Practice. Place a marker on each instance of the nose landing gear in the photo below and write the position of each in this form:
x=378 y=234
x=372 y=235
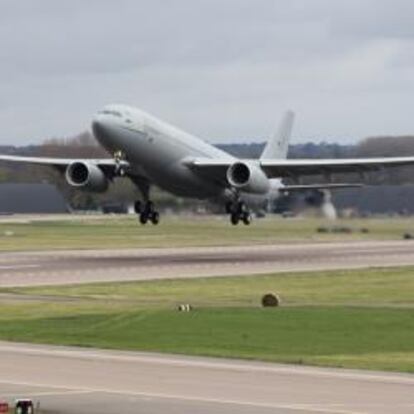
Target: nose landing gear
x=147 y=212
x=238 y=212
x=119 y=156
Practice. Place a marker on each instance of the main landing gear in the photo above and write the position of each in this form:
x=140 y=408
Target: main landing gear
x=147 y=212
x=238 y=212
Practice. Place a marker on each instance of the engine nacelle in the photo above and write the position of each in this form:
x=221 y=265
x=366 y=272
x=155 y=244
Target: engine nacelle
x=248 y=177
x=86 y=176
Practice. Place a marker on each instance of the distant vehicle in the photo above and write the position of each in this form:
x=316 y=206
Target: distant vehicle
x=149 y=151
x=24 y=406
x=4 y=407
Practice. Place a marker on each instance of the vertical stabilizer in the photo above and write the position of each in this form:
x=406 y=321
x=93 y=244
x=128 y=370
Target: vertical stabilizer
x=278 y=145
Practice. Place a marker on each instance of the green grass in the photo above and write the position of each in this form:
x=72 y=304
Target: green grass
x=110 y=232
x=297 y=335
x=363 y=287
x=358 y=318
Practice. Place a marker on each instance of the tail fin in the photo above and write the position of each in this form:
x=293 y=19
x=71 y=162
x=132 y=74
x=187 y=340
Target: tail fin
x=278 y=145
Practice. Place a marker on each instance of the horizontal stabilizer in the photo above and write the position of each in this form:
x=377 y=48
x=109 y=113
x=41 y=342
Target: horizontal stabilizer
x=328 y=186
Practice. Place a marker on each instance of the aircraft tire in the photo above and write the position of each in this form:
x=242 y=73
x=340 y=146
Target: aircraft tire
x=247 y=218
x=143 y=218
x=155 y=218
x=235 y=218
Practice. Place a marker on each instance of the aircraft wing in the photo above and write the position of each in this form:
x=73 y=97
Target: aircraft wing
x=295 y=168
x=55 y=162
x=210 y=168
x=61 y=163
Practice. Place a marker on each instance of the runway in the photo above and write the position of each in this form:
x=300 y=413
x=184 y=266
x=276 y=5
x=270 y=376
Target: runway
x=86 y=266
x=77 y=381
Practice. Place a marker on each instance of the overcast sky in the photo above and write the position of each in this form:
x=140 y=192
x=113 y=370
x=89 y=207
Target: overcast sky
x=222 y=69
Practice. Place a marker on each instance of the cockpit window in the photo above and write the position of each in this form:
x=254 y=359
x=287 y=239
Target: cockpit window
x=111 y=112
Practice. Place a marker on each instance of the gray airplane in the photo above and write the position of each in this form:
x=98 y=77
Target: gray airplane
x=152 y=152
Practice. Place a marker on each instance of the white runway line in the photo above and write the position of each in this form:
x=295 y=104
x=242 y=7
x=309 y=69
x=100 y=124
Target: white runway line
x=34 y=394
x=17 y=267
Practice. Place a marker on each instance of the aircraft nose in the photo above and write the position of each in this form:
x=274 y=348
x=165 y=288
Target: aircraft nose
x=98 y=127
x=102 y=131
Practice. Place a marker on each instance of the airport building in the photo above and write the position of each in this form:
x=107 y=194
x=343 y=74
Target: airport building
x=31 y=198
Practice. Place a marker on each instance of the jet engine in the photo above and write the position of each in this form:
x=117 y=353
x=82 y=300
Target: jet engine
x=248 y=177
x=86 y=176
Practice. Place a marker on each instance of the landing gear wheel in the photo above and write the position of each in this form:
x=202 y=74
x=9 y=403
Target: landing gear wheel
x=234 y=218
x=247 y=218
x=238 y=211
x=147 y=213
x=155 y=218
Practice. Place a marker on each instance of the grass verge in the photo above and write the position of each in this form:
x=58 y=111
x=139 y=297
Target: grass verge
x=355 y=319
x=110 y=232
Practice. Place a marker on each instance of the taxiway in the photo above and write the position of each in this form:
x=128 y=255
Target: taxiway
x=87 y=266
x=80 y=381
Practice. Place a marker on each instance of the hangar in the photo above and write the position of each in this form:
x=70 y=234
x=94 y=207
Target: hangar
x=31 y=198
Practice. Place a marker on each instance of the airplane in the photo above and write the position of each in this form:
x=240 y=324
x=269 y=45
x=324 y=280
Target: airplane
x=150 y=152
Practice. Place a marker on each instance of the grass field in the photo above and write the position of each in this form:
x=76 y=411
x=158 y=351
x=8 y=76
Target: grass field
x=110 y=232
x=358 y=318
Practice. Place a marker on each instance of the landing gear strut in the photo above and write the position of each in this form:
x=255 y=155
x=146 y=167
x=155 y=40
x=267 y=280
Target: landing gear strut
x=147 y=212
x=238 y=212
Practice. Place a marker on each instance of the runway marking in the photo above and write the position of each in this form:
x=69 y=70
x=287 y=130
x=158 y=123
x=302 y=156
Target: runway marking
x=44 y=393
x=310 y=408
x=294 y=407
x=22 y=266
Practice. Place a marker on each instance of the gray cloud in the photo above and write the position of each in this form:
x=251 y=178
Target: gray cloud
x=221 y=69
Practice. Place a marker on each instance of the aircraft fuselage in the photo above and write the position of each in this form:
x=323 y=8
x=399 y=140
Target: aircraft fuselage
x=157 y=150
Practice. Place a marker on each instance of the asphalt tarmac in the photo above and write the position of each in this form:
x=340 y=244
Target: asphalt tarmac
x=86 y=266
x=73 y=380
